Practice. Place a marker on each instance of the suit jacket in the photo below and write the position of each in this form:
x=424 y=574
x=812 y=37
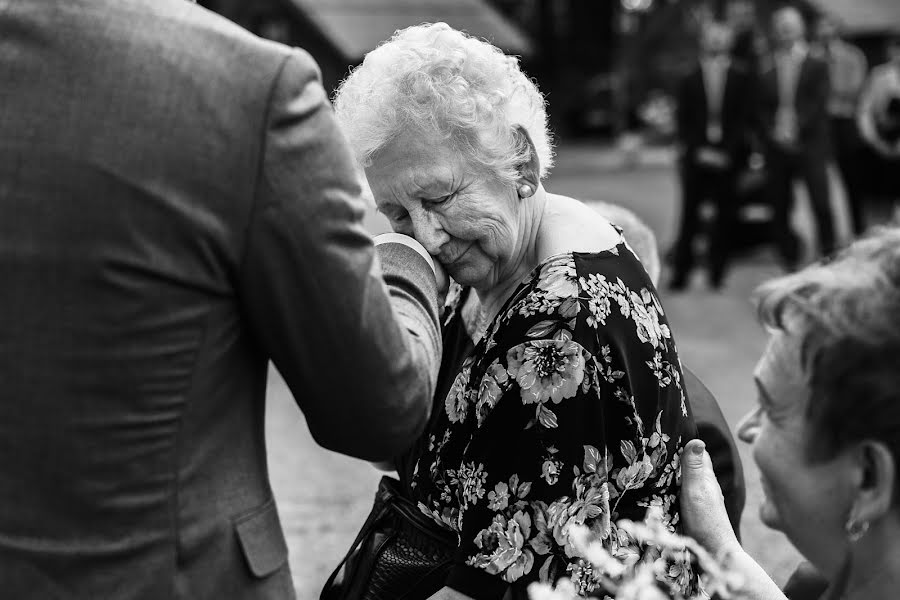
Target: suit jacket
x=180 y=208
x=810 y=104
x=736 y=110
x=713 y=429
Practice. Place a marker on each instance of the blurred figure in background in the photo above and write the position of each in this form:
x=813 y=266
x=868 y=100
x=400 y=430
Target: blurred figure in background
x=714 y=104
x=748 y=41
x=847 y=69
x=879 y=126
x=793 y=122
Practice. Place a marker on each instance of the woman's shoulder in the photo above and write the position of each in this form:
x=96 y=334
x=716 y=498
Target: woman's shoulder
x=572 y=226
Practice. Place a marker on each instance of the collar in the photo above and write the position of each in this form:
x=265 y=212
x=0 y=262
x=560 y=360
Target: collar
x=797 y=52
x=715 y=61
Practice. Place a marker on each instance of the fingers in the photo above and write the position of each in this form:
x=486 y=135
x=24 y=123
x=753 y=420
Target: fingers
x=702 y=503
x=695 y=460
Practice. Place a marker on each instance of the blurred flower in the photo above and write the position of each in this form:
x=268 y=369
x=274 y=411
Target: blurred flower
x=616 y=574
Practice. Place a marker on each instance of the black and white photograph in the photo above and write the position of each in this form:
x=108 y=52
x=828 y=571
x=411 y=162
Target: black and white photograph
x=449 y=299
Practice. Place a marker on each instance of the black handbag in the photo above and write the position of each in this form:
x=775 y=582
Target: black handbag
x=399 y=554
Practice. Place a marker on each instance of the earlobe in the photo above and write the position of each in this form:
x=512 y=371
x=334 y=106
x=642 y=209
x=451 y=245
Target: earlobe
x=875 y=496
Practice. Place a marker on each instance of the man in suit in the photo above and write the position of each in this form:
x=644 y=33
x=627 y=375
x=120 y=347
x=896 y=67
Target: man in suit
x=793 y=124
x=847 y=72
x=180 y=208
x=712 y=427
x=713 y=121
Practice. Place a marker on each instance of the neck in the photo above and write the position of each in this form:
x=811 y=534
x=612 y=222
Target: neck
x=524 y=258
x=875 y=567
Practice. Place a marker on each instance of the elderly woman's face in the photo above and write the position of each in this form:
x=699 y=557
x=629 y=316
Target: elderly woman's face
x=467 y=220
x=808 y=499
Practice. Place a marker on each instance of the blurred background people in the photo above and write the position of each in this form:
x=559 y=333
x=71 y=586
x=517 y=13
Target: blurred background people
x=879 y=126
x=793 y=122
x=748 y=40
x=847 y=67
x=714 y=103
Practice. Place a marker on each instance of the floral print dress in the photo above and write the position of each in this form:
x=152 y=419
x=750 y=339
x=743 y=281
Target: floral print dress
x=569 y=410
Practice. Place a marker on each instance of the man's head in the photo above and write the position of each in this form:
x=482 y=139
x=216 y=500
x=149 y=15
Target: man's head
x=716 y=39
x=826 y=30
x=788 y=27
x=638 y=235
x=741 y=14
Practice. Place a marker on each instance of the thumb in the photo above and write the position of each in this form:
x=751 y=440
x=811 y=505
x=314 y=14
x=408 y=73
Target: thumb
x=695 y=460
x=702 y=505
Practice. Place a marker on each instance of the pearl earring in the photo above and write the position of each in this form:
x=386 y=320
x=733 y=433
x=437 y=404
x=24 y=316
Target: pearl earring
x=525 y=191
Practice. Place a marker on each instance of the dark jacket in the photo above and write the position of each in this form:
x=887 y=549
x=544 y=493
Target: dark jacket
x=810 y=104
x=735 y=118
x=179 y=209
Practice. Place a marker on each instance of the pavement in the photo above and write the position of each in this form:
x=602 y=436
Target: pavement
x=323 y=497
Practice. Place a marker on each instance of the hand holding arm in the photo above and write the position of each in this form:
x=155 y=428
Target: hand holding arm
x=705 y=519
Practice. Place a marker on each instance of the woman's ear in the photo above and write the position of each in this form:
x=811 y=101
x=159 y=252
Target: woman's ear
x=530 y=170
x=878 y=480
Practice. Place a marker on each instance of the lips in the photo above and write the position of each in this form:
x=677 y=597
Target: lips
x=448 y=263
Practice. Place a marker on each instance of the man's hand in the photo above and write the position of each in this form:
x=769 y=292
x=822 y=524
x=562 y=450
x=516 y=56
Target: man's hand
x=702 y=505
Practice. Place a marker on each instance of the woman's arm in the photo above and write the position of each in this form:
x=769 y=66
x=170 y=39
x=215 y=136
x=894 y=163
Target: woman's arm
x=705 y=519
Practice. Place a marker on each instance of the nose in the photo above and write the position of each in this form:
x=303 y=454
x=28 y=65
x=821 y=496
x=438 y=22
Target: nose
x=428 y=230
x=748 y=428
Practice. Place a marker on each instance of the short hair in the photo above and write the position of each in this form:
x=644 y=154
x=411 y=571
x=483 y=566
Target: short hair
x=638 y=235
x=792 y=14
x=845 y=314
x=714 y=27
x=434 y=79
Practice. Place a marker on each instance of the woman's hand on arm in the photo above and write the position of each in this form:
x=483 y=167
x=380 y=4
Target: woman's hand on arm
x=705 y=519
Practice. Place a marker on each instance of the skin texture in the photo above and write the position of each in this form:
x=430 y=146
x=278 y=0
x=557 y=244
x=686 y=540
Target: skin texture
x=808 y=499
x=485 y=234
x=467 y=220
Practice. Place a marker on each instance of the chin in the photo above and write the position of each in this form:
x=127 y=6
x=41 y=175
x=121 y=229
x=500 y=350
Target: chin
x=769 y=515
x=467 y=276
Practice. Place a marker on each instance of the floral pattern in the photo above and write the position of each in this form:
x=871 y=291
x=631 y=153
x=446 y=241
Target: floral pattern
x=569 y=412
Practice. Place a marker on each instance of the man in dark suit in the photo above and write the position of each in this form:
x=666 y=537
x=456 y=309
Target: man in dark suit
x=180 y=208
x=713 y=122
x=793 y=124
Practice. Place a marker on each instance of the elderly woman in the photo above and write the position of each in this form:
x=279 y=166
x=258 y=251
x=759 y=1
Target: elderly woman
x=560 y=397
x=826 y=433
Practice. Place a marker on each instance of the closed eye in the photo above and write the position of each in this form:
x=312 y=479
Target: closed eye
x=440 y=200
x=393 y=214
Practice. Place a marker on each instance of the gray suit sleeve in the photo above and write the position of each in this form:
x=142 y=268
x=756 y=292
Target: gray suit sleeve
x=359 y=355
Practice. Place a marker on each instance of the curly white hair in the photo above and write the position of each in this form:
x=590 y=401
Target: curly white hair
x=439 y=81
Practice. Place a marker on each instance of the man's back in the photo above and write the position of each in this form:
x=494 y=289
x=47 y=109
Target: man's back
x=139 y=268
